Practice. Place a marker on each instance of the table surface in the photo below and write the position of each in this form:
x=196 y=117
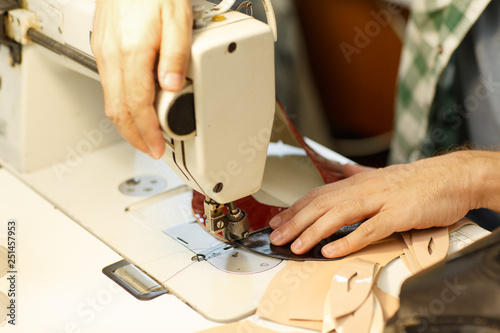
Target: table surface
x=60 y=285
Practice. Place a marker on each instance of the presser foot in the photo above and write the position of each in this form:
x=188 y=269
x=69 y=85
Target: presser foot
x=233 y=225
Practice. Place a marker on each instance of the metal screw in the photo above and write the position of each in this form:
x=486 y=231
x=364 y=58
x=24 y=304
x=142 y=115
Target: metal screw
x=218 y=188
x=133 y=181
x=220 y=224
x=198 y=257
x=245 y=234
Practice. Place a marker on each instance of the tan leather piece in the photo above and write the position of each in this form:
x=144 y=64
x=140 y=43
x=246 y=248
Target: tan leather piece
x=463 y=222
x=296 y=296
x=240 y=326
x=355 y=322
x=349 y=301
x=426 y=247
x=378 y=321
x=350 y=286
x=360 y=320
x=430 y=245
x=411 y=262
x=389 y=303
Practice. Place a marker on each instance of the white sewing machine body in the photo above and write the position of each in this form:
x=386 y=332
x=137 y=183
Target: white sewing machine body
x=240 y=79
x=54 y=135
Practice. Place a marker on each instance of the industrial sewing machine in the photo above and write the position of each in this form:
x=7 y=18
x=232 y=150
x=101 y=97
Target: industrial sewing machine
x=229 y=94
x=55 y=137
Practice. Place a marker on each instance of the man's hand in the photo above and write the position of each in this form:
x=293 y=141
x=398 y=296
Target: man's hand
x=127 y=37
x=434 y=192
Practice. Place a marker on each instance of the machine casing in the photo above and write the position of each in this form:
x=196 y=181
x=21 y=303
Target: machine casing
x=232 y=74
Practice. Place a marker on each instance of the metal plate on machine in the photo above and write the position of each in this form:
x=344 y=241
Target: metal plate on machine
x=143 y=186
x=227 y=257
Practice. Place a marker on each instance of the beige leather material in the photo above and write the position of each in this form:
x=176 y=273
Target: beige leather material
x=350 y=301
x=389 y=303
x=426 y=247
x=350 y=287
x=430 y=245
x=296 y=296
x=237 y=327
x=357 y=322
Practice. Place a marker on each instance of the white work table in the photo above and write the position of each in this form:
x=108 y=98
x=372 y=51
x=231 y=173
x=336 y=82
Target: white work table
x=60 y=285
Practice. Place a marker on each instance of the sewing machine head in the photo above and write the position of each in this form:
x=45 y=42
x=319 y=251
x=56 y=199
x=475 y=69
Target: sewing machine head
x=217 y=128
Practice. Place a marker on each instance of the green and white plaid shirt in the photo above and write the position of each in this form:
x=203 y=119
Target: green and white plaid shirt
x=435 y=30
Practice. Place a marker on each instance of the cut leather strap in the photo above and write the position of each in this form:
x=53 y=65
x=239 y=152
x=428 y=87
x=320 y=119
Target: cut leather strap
x=388 y=303
x=349 y=303
x=259 y=214
x=302 y=286
x=426 y=247
x=351 y=286
x=360 y=320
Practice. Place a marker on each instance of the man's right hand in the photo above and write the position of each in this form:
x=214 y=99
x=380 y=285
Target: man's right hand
x=127 y=37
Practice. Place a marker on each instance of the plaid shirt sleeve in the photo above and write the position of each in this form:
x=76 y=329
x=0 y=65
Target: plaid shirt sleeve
x=435 y=30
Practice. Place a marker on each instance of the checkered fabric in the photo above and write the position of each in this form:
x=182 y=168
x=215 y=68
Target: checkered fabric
x=435 y=30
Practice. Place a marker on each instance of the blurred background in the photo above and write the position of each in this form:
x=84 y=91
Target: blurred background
x=336 y=69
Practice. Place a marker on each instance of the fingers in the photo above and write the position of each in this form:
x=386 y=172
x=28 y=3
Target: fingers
x=106 y=49
x=285 y=216
x=139 y=96
x=175 y=46
x=312 y=228
x=126 y=39
x=376 y=228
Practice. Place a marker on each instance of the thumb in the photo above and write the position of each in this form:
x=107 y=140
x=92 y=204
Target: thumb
x=177 y=25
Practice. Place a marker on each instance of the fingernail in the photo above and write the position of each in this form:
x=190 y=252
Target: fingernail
x=275 y=237
x=173 y=81
x=275 y=222
x=328 y=251
x=154 y=153
x=296 y=246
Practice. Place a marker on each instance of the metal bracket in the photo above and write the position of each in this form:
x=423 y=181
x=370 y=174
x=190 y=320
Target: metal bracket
x=134 y=281
x=15 y=48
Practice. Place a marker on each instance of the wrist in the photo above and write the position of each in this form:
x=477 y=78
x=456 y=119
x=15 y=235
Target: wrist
x=482 y=178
